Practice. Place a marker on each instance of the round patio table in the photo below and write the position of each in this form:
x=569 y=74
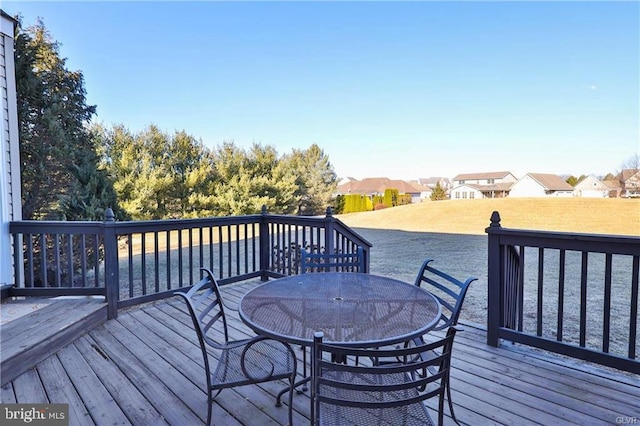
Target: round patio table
x=354 y=309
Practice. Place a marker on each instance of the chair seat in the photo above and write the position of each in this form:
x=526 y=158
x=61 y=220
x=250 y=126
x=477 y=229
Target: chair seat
x=263 y=360
x=414 y=414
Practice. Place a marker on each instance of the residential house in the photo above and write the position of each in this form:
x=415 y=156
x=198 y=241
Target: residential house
x=482 y=185
x=10 y=204
x=630 y=182
x=541 y=185
x=377 y=186
x=591 y=187
x=614 y=186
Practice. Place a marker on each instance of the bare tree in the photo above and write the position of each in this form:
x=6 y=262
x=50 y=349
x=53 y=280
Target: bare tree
x=632 y=163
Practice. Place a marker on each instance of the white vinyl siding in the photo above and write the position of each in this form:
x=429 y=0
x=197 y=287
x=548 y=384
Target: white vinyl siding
x=10 y=204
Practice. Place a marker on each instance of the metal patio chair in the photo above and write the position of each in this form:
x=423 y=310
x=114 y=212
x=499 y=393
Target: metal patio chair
x=234 y=363
x=331 y=262
x=328 y=262
x=378 y=394
x=450 y=292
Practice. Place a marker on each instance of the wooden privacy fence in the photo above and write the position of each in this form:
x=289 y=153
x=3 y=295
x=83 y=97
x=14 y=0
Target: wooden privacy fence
x=134 y=262
x=572 y=294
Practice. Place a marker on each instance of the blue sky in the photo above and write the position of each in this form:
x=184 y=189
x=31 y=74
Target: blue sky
x=397 y=89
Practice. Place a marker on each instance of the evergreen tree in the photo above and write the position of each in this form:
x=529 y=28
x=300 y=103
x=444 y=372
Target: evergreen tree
x=315 y=179
x=57 y=151
x=438 y=193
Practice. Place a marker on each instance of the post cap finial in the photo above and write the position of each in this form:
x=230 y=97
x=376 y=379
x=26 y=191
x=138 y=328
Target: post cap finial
x=264 y=209
x=329 y=211
x=495 y=220
x=108 y=215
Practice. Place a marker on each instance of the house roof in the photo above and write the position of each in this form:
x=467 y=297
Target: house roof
x=627 y=174
x=551 y=182
x=378 y=185
x=494 y=187
x=433 y=181
x=612 y=184
x=481 y=176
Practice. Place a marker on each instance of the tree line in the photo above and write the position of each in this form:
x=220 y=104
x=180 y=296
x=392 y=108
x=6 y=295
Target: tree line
x=74 y=169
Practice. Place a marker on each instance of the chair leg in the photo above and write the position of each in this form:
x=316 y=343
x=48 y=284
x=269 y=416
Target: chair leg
x=453 y=415
x=292 y=383
x=304 y=368
x=209 y=407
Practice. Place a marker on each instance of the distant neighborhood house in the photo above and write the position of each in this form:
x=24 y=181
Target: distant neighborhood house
x=541 y=185
x=629 y=182
x=377 y=186
x=482 y=185
x=591 y=187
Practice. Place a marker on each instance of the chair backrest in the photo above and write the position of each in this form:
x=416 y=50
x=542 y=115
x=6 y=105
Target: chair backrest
x=327 y=262
x=376 y=388
x=449 y=291
x=206 y=309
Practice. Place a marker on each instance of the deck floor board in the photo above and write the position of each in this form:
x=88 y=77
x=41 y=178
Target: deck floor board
x=145 y=368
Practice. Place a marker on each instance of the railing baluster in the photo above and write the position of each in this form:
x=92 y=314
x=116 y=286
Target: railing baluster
x=69 y=239
x=156 y=261
x=521 y=289
x=561 y=274
x=83 y=259
x=606 y=327
x=30 y=260
x=180 y=272
x=130 y=265
x=220 y=251
x=190 y=234
x=201 y=247
x=229 y=264
x=583 y=298
x=43 y=250
x=633 y=323
x=253 y=246
x=237 y=243
x=211 y=241
x=56 y=259
x=97 y=240
x=143 y=256
x=540 y=311
x=168 y=249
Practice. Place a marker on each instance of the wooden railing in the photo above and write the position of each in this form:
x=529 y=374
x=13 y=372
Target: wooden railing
x=572 y=294
x=138 y=261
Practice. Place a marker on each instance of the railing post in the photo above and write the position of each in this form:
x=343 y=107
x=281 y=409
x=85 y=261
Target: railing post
x=328 y=231
x=264 y=245
x=112 y=276
x=494 y=304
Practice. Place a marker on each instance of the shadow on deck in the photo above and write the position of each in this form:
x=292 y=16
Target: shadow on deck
x=145 y=368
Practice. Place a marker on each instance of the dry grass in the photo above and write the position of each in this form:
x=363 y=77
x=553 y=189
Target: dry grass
x=584 y=215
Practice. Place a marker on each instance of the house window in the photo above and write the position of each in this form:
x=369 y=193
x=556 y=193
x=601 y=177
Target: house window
x=490 y=181
x=461 y=182
x=457 y=194
x=472 y=195
x=464 y=194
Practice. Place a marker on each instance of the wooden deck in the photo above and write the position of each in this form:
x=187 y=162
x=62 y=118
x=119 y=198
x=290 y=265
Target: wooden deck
x=145 y=368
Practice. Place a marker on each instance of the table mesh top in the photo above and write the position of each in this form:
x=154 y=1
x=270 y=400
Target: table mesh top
x=347 y=307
